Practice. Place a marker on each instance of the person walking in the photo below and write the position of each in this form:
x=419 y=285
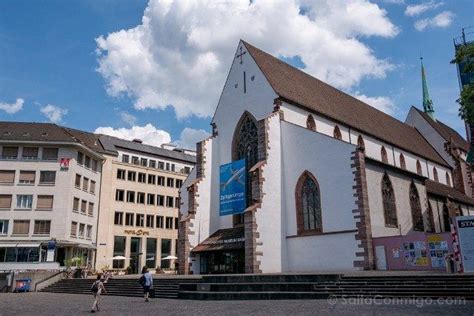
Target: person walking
x=146 y=281
x=97 y=288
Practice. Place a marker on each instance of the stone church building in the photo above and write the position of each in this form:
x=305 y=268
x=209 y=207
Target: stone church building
x=326 y=174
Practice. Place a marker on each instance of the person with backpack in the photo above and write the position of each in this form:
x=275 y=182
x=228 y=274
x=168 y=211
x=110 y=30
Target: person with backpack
x=146 y=281
x=97 y=288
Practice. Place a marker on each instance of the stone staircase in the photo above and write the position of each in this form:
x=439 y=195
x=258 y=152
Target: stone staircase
x=254 y=287
x=164 y=287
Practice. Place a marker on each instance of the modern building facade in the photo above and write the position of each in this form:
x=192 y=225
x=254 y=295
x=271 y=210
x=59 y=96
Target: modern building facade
x=50 y=179
x=138 y=217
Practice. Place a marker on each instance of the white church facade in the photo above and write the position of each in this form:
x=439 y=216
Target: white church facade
x=326 y=175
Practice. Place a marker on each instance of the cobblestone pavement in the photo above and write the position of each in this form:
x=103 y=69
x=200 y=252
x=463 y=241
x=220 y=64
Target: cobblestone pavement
x=71 y=304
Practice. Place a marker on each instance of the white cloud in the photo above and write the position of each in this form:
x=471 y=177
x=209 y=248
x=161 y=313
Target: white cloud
x=149 y=134
x=128 y=118
x=180 y=54
x=54 y=113
x=417 y=9
x=394 y=1
x=189 y=137
x=383 y=104
x=12 y=108
x=444 y=19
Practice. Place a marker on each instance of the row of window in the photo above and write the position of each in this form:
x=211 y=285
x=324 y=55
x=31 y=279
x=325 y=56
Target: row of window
x=30 y=153
x=141 y=220
x=27 y=177
x=153 y=164
x=22 y=227
x=81 y=230
x=87 y=184
x=25 y=202
x=85 y=207
x=86 y=161
x=150 y=178
x=146 y=198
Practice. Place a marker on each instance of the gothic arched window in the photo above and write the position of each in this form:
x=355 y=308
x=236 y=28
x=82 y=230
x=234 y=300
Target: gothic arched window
x=415 y=205
x=418 y=168
x=310 y=123
x=245 y=146
x=383 y=152
x=337 y=132
x=308 y=204
x=402 y=161
x=446 y=225
x=388 y=199
x=430 y=226
x=435 y=174
x=360 y=142
x=448 y=179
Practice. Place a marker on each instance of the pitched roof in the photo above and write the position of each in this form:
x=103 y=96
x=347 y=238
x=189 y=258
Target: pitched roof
x=440 y=189
x=298 y=87
x=445 y=131
x=223 y=239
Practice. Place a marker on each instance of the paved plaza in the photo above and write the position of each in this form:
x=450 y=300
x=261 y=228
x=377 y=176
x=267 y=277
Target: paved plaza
x=68 y=304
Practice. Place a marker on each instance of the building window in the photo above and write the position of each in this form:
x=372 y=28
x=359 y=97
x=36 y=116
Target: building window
x=118 y=218
x=140 y=220
x=415 y=205
x=435 y=174
x=169 y=201
x=7 y=176
x=430 y=226
x=170 y=182
x=21 y=227
x=402 y=161
x=179 y=183
x=310 y=123
x=121 y=174
x=131 y=196
x=129 y=219
x=186 y=170
x=176 y=202
x=3 y=228
x=383 y=153
x=446 y=223
x=143 y=162
x=131 y=175
x=83 y=207
x=92 y=187
x=150 y=221
x=173 y=167
x=135 y=160
x=389 y=206
x=337 y=132
x=160 y=200
x=176 y=223
x=73 y=229
x=27 y=177
x=50 y=153
x=448 y=179
x=89 y=231
x=24 y=201
x=152 y=163
x=159 y=221
x=90 y=209
x=85 y=184
x=119 y=250
x=80 y=158
x=140 y=197
x=9 y=152
x=165 y=252
x=119 y=195
x=169 y=222
x=142 y=177
x=150 y=199
x=419 y=170
x=77 y=182
x=167 y=166
x=94 y=165
x=75 y=205
x=151 y=252
x=5 y=201
x=125 y=158
x=161 y=180
x=87 y=162
x=151 y=179
x=42 y=228
x=161 y=165
x=47 y=177
x=81 y=230
x=308 y=204
x=45 y=202
x=30 y=153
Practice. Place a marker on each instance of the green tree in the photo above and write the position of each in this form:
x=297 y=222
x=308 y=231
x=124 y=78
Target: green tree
x=465 y=53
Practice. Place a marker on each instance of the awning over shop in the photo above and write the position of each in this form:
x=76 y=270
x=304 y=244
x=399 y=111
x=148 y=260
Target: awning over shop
x=19 y=244
x=223 y=239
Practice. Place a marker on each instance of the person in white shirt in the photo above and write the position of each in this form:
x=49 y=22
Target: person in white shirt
x=146 y=280
x=97 y=288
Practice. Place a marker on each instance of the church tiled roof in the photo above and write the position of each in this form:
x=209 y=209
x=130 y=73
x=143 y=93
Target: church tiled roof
x=437 y=188
x=296 y=86
x=445 y=131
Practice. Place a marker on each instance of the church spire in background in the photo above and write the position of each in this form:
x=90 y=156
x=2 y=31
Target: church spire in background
x=427 y=103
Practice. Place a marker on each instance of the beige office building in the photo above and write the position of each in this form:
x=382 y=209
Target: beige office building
x=138 y=219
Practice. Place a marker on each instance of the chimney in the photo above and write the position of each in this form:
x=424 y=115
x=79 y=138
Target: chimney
x=137 y=140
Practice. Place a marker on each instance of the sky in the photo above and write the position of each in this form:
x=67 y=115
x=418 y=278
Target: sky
x=154 y=69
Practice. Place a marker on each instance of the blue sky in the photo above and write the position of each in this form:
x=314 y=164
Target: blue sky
x=48 y=56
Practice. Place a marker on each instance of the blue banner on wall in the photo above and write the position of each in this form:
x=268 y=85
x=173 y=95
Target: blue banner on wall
x=233 y=179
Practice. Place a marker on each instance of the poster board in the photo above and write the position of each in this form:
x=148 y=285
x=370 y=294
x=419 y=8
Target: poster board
x=232 y=183
x=465 y=232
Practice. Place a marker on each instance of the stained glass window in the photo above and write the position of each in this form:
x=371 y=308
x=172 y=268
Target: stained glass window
x=389 y=207
x=308 y=204
x=415 y=205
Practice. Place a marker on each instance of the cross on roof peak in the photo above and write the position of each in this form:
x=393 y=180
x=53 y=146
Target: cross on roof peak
x=241 y=54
